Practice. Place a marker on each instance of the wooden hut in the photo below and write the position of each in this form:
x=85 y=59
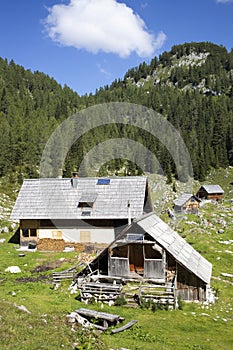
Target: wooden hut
x=187 y=203
x=211 y=192
x=84 y=210
x=149 y=250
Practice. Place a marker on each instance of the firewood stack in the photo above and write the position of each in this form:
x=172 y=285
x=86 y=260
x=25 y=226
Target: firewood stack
x=58 y=245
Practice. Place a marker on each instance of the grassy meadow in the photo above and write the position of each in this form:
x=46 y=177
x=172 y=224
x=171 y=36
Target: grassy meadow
x=33 y=313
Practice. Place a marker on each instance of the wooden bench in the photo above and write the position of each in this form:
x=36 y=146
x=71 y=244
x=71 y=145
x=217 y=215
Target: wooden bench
x=107 y=319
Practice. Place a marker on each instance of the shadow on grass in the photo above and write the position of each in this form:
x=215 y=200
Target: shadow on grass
x=15 y=238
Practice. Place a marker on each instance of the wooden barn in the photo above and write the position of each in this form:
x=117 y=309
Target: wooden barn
x=84 y=210
x=211 y=192
x=187 y=203
x=149 y=250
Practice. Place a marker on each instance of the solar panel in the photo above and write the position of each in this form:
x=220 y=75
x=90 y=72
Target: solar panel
x=86 y=213
x=103 y=181
x=135 y=237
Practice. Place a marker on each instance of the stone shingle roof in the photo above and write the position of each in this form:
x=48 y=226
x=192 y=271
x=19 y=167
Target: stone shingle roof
x=213 y=189
x=172 y=242
x=166 y=238
x=57 y=199
x=185 y=197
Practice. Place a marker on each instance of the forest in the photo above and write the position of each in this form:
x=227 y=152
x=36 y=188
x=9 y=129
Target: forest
x=191 y=86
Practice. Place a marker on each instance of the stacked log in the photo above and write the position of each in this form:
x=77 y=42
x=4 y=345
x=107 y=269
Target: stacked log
x=58 y=245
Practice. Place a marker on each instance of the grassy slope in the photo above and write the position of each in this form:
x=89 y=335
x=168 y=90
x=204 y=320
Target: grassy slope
x=195 y=327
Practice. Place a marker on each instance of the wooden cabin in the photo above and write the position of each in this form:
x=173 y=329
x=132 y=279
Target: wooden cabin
x=187 y=203
x=211 y=192
x=83 y=210
x=149 y=250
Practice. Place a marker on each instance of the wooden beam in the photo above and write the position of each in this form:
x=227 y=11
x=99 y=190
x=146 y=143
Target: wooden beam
x=126 y=326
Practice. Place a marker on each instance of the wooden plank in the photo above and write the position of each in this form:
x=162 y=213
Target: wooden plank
x=99 y=315
x=102 y=286
x=126 y=326
x=98 y=298
x=91 y=291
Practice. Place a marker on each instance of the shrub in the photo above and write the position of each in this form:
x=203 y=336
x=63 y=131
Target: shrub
x=120 y=301
x=180 y=303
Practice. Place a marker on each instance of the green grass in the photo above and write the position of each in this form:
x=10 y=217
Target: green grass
x=195 y=327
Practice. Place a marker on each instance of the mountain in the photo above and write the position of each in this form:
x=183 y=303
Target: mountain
x=191 y=86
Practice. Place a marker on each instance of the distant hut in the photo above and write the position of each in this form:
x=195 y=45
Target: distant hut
x=187 y=203
x=212 y=192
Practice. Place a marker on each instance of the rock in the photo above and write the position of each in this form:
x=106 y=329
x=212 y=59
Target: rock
x=22 y=308
x=2 y=240
x=191 y=223
x=226 y=274
x=13 y=226
x=5 y=229
x=205 y=222
x=226 y=242
x=220 y=230
x=13 y=269
x=68 y=249
x=223 y=222
x=75 y=317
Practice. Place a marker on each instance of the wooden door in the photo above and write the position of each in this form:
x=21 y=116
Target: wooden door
x=136 y=258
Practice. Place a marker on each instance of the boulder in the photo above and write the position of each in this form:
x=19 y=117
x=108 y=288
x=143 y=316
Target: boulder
x=13 y=269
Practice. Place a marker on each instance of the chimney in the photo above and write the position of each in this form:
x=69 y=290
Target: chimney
x=74 y=180
x=60 y=173
x=129 y=213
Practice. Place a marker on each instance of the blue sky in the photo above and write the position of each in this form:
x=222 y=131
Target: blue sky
x=87 y=44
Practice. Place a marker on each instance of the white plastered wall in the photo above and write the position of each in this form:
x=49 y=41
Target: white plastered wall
x=81 y=235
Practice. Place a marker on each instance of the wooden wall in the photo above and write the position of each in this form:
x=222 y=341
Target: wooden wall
x=213 y=196
x=189 y=286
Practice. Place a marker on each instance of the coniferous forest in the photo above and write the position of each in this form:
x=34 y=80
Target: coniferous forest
x=191 y=86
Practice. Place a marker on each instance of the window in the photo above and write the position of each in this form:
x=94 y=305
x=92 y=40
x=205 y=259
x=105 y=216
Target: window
x=57 y=234
x=25 y=232
x=33 y=232
x=85 y=236
x=86 y=213
x=135 y=237
x=86 y=202
x=29 y=232
x=85 y=205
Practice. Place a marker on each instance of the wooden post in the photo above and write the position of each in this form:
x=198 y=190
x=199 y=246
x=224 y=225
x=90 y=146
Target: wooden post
x=164 y=262
x=175 y=288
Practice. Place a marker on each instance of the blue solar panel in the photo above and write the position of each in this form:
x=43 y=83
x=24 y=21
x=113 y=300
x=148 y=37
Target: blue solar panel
x=86 y=213
x=135 y=237
x=103 y=182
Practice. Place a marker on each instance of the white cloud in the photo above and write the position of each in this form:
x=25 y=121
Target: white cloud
x=101 y=25
x=223 y=1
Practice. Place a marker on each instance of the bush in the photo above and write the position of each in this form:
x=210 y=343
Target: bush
x=145 y=304
x=120 y=301
x=160 y=306
x=180 y=303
